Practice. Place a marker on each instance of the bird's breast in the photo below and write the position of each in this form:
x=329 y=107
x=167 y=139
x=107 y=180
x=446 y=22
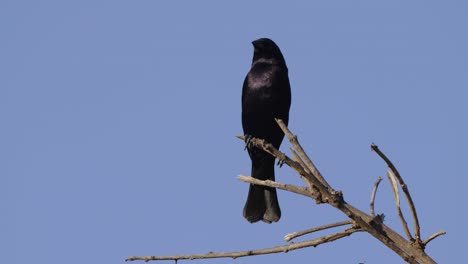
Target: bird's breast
x=259 y=80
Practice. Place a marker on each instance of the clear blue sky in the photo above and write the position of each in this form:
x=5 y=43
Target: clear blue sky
x=118 y=121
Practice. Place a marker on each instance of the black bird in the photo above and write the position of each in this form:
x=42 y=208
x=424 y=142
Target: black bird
x=266 y=95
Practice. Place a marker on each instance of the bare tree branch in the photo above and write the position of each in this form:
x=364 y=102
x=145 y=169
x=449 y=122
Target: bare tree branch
x=301 y=162
x=299 y=159
x=293 y=140
x=396 y=194
x=374 y=191
x=417 y=229
x=291 y=236
x=429 y=239
x=234 y=255
x=269 y=183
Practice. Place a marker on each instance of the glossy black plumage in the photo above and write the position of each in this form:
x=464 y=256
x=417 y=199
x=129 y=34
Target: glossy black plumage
x=266 y=95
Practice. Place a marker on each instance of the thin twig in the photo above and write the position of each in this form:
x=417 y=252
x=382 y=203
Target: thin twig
x=404 y=187
x=301 y=162
x=291 y=236
x=234 y=255
x=429 y=239
x=310 y=165
x=396 y=194
x=269 y=183
x=374 y=191
x=299 y=159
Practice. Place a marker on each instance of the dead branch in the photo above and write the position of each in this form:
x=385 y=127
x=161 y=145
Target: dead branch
x=374 y=191
x=429 y=239
x=396 y=195
x=404 y=187
x=234 y=255
x=293 y=140
x=291 y=236
x=298 y=159
x=268 y=183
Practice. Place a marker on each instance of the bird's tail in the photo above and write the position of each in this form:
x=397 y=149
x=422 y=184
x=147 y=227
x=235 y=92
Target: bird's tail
x=262 y=202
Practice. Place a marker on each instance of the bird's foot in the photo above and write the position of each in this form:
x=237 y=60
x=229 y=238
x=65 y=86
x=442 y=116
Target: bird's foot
x=248 y=142
x=281 y=162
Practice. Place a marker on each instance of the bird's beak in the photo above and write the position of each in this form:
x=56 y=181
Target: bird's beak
x=255 y=44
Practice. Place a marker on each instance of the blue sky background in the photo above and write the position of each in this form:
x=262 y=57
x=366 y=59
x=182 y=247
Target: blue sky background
x=118 y=121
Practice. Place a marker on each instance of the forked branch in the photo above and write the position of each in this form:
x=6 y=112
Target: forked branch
x=404 y=187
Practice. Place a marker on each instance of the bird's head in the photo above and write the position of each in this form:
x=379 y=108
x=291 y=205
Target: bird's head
x=265 y=48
